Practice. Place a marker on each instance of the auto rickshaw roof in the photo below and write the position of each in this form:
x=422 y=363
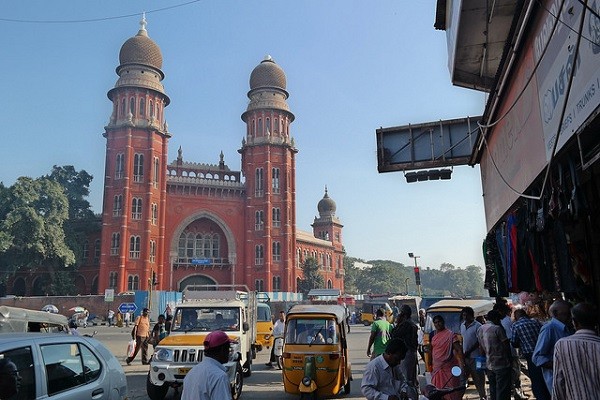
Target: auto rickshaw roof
x=339 y=312
x=481 y=307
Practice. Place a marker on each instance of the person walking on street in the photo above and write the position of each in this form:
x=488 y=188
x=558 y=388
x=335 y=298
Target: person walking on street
x=525 y=335
x=558 y=328
x=468 y=331
x=110 y=316
x=577 y=358
x=159 y=331
x=380 y=334
x=278 y=329
x=383 y=378
x=446 y=353
x=505 y=311
x=495 y=346
x=141 y=334
x=208 y=379
x=406 y=330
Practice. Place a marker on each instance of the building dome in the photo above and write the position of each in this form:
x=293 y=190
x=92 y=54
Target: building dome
x=326 y=205
x=267 y=74
x=140 y=49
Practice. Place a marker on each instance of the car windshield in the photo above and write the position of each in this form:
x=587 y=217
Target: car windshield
x=200 y=319
x=311 y=331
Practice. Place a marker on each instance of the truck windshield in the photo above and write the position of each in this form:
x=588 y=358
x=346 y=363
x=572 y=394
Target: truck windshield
x=201 y=319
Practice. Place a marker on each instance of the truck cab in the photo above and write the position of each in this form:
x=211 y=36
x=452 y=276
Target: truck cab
x=202 y=312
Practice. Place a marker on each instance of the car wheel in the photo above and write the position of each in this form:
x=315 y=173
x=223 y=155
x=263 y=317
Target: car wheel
x=238 y=383
x=155 y=392
x=247 y=368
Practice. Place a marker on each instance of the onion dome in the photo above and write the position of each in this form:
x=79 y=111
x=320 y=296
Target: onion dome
x=140 y=49
x=267 y=74
x=326 y=205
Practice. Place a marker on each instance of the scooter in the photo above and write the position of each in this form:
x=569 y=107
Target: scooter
x=430 y=392
x=278 y=351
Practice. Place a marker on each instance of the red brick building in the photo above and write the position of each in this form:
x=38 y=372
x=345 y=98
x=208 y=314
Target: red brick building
x=182 y=222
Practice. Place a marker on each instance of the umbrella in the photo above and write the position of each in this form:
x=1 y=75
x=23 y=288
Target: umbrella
x=77 y=309
x=51 y=308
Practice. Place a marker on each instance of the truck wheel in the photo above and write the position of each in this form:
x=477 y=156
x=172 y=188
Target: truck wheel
x=156 y=392
x=238 y=383
x=247 y=368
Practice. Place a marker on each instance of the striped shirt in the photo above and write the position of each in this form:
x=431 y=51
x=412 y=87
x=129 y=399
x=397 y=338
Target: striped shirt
x=525 y=334
x=576 y=374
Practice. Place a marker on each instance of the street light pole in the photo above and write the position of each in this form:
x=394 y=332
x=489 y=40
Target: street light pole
x=417 y=272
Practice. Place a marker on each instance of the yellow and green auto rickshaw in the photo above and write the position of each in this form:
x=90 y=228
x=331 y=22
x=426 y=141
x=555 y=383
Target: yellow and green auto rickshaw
x=315 y=351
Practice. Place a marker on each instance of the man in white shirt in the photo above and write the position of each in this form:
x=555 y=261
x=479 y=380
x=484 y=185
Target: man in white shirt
x=278 y=329
x=208 y=379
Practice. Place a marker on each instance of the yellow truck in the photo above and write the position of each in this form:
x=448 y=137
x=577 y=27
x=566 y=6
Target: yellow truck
x=222 y=308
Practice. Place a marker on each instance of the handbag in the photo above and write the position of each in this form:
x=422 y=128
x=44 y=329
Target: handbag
x=130 y=348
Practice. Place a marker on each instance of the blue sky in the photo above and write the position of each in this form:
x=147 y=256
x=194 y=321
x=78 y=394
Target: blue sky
x=351 y=66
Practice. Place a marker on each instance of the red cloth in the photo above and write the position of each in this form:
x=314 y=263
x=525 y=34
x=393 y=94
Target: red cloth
x=443 y=361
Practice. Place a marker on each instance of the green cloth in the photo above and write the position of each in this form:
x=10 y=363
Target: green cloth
x=383 y=329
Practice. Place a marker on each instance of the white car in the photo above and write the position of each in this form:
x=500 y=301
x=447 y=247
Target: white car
x=63 y=367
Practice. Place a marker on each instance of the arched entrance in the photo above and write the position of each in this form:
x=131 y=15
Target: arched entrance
x=196 y=280
x=18 y=287
x=39 y=286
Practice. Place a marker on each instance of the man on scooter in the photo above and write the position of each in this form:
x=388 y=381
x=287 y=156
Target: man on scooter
x=278 y=328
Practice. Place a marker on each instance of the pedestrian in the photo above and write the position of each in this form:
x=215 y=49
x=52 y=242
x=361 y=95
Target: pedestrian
x=208 y=379
x=446 y=353
x=159 y=331
x=406 y=330
x=525 y=332
x=110 y=316
x=10 y=380
x=73 y=328
x=119 y=319
x=141 y=334
x=494 y=344
x=557 y=328
x=168 y=323
x=576 y=373
x=167 y=311
x=126 y=319
x=383 y=378
x=380 y=333
x=505 y=311
x=278 y=329
x=470 y=347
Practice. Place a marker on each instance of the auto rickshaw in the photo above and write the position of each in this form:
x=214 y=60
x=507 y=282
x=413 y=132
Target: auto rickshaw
x=370 y=307
x=315 y=351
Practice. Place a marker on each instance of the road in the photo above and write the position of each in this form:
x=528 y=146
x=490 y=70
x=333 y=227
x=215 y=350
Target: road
x=264 y=383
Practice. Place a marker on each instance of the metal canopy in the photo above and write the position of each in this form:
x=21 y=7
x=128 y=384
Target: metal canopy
x=426 y=145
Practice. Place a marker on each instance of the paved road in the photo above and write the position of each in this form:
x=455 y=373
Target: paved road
x=264 y=383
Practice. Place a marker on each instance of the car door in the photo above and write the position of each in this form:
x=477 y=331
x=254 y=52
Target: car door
x=73 y=371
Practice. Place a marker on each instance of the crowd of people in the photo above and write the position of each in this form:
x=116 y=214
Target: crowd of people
x=562 y=354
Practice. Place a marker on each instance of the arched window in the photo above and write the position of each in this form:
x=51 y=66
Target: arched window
x=259 y=285
x=276 y=251
x=276 y=283
x=276 y=125
x=260 y=127
x=298 y=280
x=138 y=167
x=123 y=110
x=275 y=180
x=259 y=176
x=86 y=250
x=132 y=106
x=136 y=208
x=157 y=111
x=198 y=245
x=135 y=244
x=156 y=171
x=259 y=220
x=216 y=245
x=259 y=254
x=142 y=107
x=133 y=282
x=276 y=217
x=329 y=284
x=152 y=251
x=154 y=213
x=115 y=242
x=267 y=125
x=151 y=108
x=120 y=166
x=117 y=205
x=112 y=279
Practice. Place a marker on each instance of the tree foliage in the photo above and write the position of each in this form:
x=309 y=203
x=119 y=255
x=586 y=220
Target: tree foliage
x=312 y=277
x=387 y=276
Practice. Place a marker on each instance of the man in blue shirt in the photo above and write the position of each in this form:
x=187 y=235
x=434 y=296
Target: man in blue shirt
x=558 y=327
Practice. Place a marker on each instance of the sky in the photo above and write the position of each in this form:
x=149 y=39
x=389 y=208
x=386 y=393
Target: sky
x=351 y=67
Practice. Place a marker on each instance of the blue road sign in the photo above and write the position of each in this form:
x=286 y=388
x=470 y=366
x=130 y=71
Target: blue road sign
x=127 y=307
x=200 y=261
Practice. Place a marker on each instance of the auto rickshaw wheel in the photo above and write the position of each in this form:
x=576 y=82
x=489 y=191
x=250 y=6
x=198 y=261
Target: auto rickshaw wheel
x=308 y=396
x=238 y=382
x=366 y=323
x=347 y=387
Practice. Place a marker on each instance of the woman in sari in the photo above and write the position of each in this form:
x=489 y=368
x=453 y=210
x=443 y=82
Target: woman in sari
x=447 y=353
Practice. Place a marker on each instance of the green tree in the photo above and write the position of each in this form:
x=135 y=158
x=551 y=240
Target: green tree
x=312 y=277
x=33 y=214
x=351 y=274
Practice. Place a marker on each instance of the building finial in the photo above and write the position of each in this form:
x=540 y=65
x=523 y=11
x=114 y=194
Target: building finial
x=143 y=24
x=325 y=190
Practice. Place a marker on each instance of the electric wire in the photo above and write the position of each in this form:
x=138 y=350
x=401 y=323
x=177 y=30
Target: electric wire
x=562 y=114
x=79 y=21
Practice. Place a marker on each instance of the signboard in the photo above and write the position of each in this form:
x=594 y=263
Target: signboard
x=109 y=295
x=200 y=261
x=127 y=307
